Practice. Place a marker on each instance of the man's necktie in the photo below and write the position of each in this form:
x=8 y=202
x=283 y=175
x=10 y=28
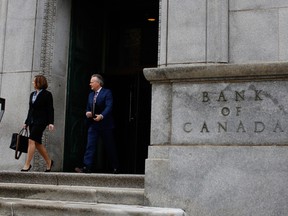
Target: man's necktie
x=95 y=96
x=94 y=102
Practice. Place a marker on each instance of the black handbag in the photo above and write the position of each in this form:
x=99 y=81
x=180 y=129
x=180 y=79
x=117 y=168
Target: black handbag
x=19 y=142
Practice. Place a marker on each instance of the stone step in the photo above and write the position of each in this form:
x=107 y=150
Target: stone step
x=13 y=206
x=74 y=179
x=35 y=193
x=109 y=195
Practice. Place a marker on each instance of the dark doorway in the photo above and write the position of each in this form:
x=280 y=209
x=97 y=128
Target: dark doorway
x=116 y=40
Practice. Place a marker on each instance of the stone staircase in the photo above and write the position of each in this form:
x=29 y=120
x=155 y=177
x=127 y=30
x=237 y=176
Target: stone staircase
x=35 y=193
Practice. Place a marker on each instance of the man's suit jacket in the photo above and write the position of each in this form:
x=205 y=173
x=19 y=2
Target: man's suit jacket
x=103 y=106
x=42 y=110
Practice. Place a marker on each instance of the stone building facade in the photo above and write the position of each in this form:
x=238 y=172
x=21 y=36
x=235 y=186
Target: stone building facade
x=219 y=108
x=219 y=99
x=34 y=39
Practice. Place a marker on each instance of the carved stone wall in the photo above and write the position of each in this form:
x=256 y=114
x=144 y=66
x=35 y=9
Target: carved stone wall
x=47 y=50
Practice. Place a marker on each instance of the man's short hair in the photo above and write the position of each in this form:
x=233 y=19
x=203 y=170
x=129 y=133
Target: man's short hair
x=100 y=78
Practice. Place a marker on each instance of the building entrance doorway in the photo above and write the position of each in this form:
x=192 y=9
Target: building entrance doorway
x=117 y=40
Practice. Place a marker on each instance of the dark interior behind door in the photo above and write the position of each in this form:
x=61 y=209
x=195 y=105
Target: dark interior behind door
x=117 y=41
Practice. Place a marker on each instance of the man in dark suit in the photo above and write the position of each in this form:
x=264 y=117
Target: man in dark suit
x=100 y=124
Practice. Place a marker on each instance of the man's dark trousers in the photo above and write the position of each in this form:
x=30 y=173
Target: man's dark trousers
x=94 y=133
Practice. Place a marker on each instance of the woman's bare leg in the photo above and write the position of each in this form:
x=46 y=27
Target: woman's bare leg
x=30 y=153
x=42 y=150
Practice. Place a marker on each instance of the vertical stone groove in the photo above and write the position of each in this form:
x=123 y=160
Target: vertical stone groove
x=47 y=49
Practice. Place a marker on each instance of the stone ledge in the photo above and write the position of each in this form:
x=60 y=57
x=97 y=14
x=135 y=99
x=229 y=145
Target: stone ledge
x=55 y=208
x=219 y=72
x=128 y=196
x=76 y=179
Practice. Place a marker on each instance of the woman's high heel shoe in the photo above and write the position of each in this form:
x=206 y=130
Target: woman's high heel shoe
x=26 y=170
x=48 y=170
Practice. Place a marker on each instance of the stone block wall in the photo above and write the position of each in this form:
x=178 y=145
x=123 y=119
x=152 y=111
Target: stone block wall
x=258 y=31
x=17 y=66
x=32 y=42
x=219 y=109
x=222 y=31
x=219 y=139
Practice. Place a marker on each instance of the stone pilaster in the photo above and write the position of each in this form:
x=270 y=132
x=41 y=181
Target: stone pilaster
x=47 y=50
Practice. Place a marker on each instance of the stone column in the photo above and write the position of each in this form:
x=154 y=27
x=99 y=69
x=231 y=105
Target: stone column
x=219 y=130
x=193 y=31
x=34 y=38
x=54 y=65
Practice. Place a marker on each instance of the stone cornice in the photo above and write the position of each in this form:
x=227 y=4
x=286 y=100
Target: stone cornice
x=219 y=72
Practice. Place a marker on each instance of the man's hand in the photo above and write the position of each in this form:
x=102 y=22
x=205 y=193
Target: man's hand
x=51 y=127
x=98 y=117
x=89 y=114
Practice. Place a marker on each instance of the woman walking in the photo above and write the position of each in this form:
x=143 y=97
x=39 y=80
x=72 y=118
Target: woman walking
x=40 y=115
